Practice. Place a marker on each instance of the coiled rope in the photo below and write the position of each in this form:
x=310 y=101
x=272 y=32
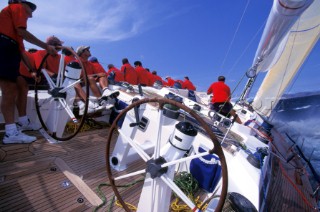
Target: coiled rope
x=89 y=124
x=189 y=186
x=104 y=199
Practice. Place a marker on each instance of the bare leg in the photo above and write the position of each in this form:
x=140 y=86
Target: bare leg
x=22 y=96
x=9 y=94
x=94 y=88
x=103 y=81
x=80 y=93
x=235 y=115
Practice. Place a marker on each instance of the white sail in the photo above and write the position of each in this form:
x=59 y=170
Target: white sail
x=296 y=47
x=283 y=16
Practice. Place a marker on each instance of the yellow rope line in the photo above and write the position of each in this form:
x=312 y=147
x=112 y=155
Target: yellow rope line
x=130 y=206
x=88 y=125
x=183 y=207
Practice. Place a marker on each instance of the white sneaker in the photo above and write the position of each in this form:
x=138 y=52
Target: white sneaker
x=92 y=108
x=18 y=138
x=110 y=94
x=27 y=127
x=98 y=106
x=106 y=102
x=89 y=111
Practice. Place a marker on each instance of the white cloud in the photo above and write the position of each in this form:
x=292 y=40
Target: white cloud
x=90 y=19
x=87 y=19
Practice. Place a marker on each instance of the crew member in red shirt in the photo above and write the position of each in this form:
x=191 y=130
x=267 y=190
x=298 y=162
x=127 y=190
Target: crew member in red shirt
x=94 y=76
x=155 y=77
x=143 y=74
x=118 y=76
x=99 y=68
x=221 y=99
x=178 y=84
x=52 y=62
x=24 y=70
x=130 y=75
x=170 y=82
x=187 y=84
x=13 y=31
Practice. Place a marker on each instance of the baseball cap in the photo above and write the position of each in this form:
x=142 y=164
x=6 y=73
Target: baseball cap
x=32 y=6
x=80 y=49
x=93 y=59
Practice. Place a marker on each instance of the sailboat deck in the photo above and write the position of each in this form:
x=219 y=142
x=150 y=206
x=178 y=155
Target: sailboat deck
x=54 y=177
x=290 y=189
x=65 y=177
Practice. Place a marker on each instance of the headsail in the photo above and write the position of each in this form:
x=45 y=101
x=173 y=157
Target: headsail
x=285 y=52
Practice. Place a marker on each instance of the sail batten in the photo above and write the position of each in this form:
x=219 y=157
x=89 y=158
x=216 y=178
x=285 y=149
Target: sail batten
x=292 y=54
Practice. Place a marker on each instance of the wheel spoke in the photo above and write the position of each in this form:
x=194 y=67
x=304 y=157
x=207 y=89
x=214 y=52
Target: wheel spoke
x=177 y=190
x=135 y=146
x=130 y=174
x=157 y=146
x=68 y=110
x=153 y=192
x=68 y=87
x=55 y=117
x=60 y=71
x=174 y=162
x=48 y=78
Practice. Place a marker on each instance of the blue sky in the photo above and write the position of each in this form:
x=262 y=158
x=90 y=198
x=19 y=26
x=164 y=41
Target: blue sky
x=201 y=39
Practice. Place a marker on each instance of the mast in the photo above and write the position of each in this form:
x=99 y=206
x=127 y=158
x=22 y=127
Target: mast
x=252 y=75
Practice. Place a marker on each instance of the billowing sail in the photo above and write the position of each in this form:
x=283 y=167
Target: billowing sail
x=290 y=55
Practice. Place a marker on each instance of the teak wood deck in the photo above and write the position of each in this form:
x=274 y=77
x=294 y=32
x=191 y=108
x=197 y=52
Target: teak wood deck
x=65 y=177
x=54 y=177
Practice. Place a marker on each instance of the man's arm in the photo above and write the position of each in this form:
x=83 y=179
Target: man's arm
x=34 y=40
x=209 y=91
x=27 y=63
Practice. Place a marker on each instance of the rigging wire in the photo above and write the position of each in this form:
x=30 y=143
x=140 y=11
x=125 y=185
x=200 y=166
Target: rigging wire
x=247 y=47
x=234 y=36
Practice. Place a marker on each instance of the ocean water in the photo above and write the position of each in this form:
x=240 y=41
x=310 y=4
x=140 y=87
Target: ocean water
x=298 y=115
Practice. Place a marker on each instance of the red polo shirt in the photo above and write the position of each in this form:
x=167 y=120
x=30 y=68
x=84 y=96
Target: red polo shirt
x=143 y=75
x=187 y=84
x=12 y=17
x=68 y=59
x=52 y=62
x=119 y=76
x=170 y=82
x=154 y=78
x=221 y=92
x=130 y=74
x=90 y=69
x=98 y=68
x=24 y=70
